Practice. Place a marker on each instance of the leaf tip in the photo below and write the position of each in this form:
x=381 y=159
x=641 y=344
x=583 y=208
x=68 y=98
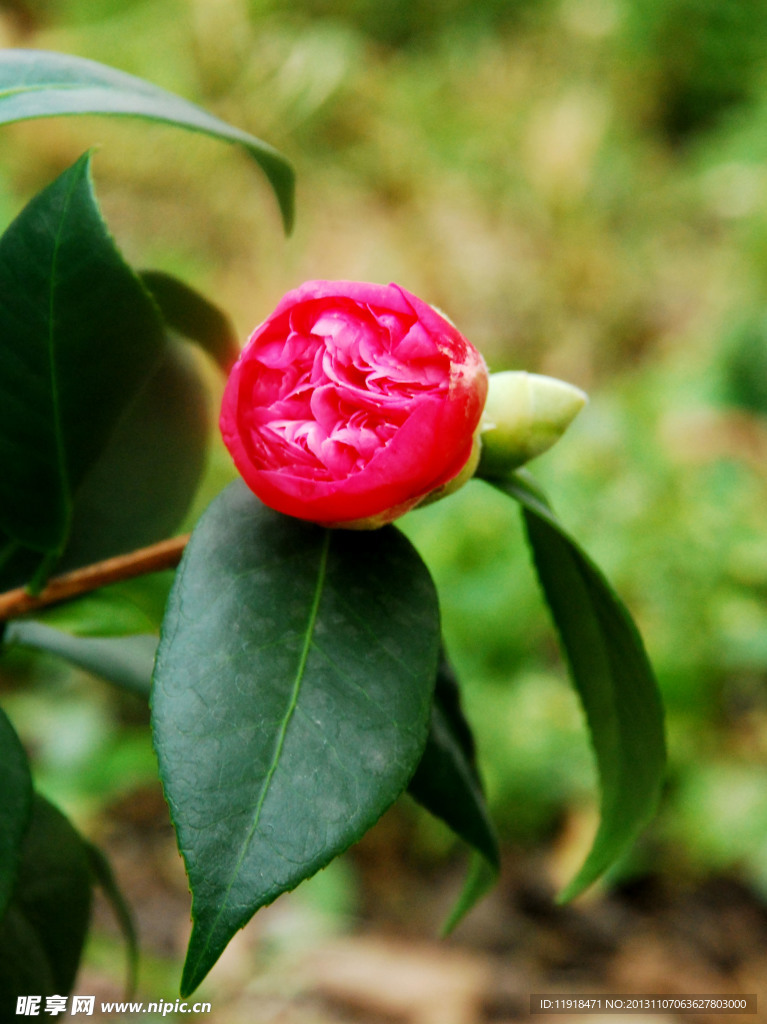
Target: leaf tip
x=571 y=891
x=191 y=978
x=205 y=948
x=281 y=176
x=481 y=877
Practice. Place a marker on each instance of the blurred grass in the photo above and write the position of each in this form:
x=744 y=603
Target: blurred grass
x=581 y=186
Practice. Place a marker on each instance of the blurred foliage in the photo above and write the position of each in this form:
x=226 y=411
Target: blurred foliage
x=410 y=23
x=706 y=55
x=745 y=365
x=521 y=165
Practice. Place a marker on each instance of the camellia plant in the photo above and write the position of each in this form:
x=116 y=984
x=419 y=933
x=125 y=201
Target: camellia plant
x=299 y=683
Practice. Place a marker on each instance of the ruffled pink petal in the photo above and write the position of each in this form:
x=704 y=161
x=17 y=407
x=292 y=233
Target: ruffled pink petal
x=352 y=401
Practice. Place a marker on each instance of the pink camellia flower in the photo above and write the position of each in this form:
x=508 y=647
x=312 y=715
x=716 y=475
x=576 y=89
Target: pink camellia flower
x=352 y=403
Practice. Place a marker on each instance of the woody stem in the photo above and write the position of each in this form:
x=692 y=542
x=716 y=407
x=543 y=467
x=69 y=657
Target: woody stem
x=164 y=555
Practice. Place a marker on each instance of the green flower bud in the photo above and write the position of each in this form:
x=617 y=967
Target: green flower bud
x=524 y=415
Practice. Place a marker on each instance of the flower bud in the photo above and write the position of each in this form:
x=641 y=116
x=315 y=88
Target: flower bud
x=524 y=415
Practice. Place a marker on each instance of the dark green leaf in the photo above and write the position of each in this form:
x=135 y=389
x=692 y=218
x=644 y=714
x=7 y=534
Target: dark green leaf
x=24 y=964
x=80 y=336
x=193 y=316
x=18 y=564
x=137 y=492
x=141 y=487
x=291 y=702
x=15 y=804
x=36 y=83
x=44 y=929
x=447 y=784
x=102 y=871
x=612 y=674
x=125 y=661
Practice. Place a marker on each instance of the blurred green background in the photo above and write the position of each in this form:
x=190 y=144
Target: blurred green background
x=582 y=186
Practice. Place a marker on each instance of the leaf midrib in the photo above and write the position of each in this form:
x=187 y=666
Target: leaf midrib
x=310 y=626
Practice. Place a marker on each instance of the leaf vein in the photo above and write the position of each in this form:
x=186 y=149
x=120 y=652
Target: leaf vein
x=356 y=685
x=296 y=689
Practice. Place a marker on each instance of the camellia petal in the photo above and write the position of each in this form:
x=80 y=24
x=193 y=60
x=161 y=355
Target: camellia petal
x=352 y=403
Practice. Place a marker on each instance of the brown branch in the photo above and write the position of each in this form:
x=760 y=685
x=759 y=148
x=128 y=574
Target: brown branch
x=165 y=555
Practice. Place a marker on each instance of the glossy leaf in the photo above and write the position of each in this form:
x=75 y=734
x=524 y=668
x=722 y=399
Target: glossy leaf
x=125 y=661
x=80 y=336
x=15 y=805
x=613 y=676
x=43 y=931
x=447 y=784
x=140 y=488
x=193 y=316
x=291 y=702
x=38 y=83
